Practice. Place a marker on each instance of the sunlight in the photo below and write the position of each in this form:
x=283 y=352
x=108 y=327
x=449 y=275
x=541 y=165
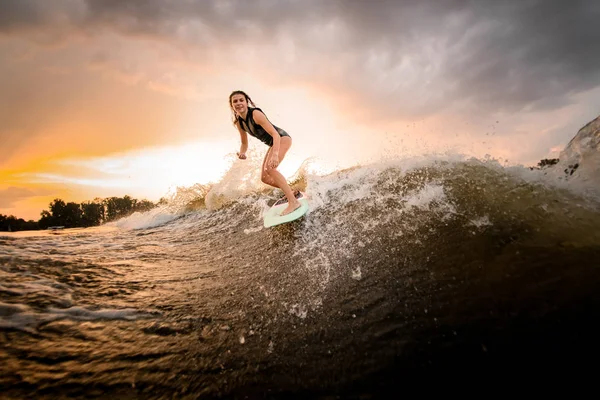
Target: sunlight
x=152 y=170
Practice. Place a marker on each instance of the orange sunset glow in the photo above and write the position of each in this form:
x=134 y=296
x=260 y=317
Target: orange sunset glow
x=106 y=98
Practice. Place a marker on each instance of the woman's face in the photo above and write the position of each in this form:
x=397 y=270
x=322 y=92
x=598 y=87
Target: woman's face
x=239 y=103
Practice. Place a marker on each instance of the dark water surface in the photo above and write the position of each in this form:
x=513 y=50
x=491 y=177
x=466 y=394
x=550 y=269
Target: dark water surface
x=394 y=278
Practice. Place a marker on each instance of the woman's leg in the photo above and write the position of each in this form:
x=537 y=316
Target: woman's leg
x=264 y=176
x=272 y=177
x=285 y=144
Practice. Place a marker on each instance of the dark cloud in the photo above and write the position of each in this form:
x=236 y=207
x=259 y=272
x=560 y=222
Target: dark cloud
x=19 y=14
x=493 y=55
x=47 y=17
x=533 y=54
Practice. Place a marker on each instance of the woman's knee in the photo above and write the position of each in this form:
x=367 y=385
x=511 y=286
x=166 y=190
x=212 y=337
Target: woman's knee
x=265 y=177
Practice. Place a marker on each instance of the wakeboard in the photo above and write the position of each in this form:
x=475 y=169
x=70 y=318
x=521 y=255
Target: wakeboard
x=273 y=215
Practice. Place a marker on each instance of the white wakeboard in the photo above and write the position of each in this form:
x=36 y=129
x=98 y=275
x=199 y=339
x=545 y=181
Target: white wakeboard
x=273 y=216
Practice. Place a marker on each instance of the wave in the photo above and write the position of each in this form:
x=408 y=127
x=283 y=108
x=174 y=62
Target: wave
x=376 y=215
x=579 y=162
x=450 y=183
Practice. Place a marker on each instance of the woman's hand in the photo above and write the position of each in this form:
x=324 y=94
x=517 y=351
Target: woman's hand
x=274 y=161
x=241 y=156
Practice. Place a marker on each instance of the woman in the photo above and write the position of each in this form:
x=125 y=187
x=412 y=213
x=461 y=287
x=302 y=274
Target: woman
x=251 y=120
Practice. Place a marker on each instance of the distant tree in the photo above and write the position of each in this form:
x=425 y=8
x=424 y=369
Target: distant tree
x=14 y=224
x=92 y=213
x=72 y=215
x=118 y=207
x=7 y=223
x=57 y=209
x=54 y=216
x=46 y=220
x=62 y=214
x=30 y=225
x=144 y=205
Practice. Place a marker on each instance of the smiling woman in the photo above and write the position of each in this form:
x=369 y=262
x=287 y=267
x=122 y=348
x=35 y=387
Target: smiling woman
x=251 y=120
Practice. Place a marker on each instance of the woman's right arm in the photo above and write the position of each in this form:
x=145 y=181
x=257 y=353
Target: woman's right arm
x=244 y=139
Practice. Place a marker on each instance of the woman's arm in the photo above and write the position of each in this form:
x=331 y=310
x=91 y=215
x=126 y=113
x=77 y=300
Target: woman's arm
x=244 y=139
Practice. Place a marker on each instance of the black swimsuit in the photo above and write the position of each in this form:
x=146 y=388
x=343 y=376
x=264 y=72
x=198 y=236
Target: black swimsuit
x=254 y=129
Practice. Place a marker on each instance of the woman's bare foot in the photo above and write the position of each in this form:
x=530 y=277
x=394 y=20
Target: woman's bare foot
x=291 y=207
x=283 y=199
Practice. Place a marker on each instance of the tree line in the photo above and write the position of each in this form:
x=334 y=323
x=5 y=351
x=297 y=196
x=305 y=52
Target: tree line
x=79 y=215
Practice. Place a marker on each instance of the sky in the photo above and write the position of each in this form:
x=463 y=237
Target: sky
x=105 y=98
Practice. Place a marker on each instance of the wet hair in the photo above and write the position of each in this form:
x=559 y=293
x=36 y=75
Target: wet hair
x=248 y=100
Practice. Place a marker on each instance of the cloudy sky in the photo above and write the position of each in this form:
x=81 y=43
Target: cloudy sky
x=109 y=97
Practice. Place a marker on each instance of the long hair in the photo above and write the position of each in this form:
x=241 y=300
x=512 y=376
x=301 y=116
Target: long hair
x=248 y=99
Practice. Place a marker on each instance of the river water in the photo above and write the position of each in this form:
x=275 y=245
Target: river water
x=400 y=272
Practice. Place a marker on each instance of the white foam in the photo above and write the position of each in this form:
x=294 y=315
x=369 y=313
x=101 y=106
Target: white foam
x=480 y=222
x=299 y=311
x=141 y=220
x=23 y=317
x=356 y=274
x=240 y=180
x=253 y=230
x=357 y=183
x=80 y=313
x=422 y=198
